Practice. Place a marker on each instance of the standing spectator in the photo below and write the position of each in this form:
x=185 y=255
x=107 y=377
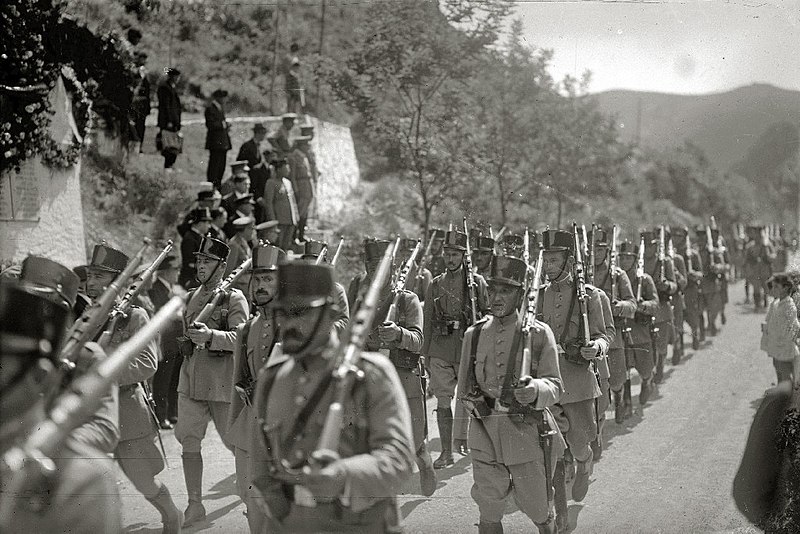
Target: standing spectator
x=240 y=183
x=268 y=232
x=254 y=154
x=780 y=330
x=280 y=204
x=205 y=199
x=280 y=138
x=140 y=107
x=218 y=141
x=241 y=245
x=301 y=181
x=165 y=381
x=200 y=221
x=218 y=221
x=295 y=92
x=169 y=113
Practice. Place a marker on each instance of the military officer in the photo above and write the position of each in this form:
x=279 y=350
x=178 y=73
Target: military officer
x=575 y=412
x=399 y=337
x=311 y=251
x=616 y=284
x=508 y=436
x=482 y=252
x=692 y=297
x=678 y=301
x=204 y=385
x=255 y=340
x=81 y=494
x=640 y=348
x=664 y=277
x=137 y=452
x=447 y=315
x=356 y=491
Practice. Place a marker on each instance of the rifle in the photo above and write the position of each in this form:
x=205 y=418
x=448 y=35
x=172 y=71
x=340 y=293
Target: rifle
x=661 y=254
x=612 y=262
x=30 y=462
x=346 y=362
x=580 y=287
x=91 y=322
x=529 y=317
x=590 y=268
x=338 y=251
x=122 y=307
x=640 y=270
x=526 y=253
x=470 y=279
x=321 y=256
x=400 y=283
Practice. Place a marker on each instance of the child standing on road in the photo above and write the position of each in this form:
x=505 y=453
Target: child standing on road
x=780 y=331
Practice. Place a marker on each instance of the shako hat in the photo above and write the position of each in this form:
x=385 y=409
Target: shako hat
x=200 y=214
x=105 y=258
x=40 y=273
x=30 y=324
x=407 y=244
x=239 y=169
x=507 y=270
x=266 y=258
x=483 y=243
x=313 y=248
x=302 y=284
x=213 y=248
x=374 y=249
x=455 y=240
x=600 y=236
x=558 y=240
x=648 y=236
x=626 y=247
x=436 y=233
x=513 y=244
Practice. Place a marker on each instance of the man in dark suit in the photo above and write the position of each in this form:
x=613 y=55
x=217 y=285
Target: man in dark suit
x=252 y=152
x=190 y=243
x=169 y=110
x=140 y=106
x=218 y=142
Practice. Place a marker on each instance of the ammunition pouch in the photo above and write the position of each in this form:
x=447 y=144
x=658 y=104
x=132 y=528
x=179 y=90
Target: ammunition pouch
x=572 y=353
x=245 y=389
x=643 y=318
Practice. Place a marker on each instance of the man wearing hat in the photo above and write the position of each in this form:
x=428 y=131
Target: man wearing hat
x=280 y=138
x=300 y=176
x=639 y=341
x=447 y=315
x=268 y=232
x=218 y=140
x=482 y=253
x=575 y=411
x=507 y=453
x=435 y=262
x=204 y=385
x=205 y=199
x=759 y=257
x=243 y=207
x=513 y=245
x=255 y=340
x=219 y=220
x=678 y=300
x=169 y=110
x=355 y=492
x=241 y=245
x=138 y=453
x=711 y=284
x=280 y=204
x=311 y=251
x=692 y=297
x=399 y=337
x=255 y=155
x=239 y=184
x=200 y=221
x=666 y=286
x=623 y=308
x=32 y=328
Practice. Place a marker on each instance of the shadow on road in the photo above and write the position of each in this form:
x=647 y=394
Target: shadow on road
x=224 y=488
x=409 y=506
x=139 y=528
x=213 y=516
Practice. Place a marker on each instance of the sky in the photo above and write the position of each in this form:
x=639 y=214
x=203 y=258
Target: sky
x=688 y=47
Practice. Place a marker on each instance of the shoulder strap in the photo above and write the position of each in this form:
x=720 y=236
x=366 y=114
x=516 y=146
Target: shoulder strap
x=563 y=337
x=475 y=338
x=243 y=349
x=511 y=364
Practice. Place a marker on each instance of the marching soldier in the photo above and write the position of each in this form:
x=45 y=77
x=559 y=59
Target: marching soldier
x=80 y=495
x=137 y=452
x=400 y=338
x=678 y=301
x=311 y=251
x=759 y=256
x=641 y=347
x=419 y=277
x=446 y=318
x=663 y=274
x=356 y=492
x=692 y=296
x=711 y=285
x=482 y=253
x=513 y=437
x=435 y=262
x=513 y=245
x=255 y=340
x=207 y=370
x=617 y=286
x=721 y=250
x=575 y=412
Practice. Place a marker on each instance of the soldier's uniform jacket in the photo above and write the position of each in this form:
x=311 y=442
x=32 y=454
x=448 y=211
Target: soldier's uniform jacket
x=206 y=375
x=611 y=332
x=376 y=446
x=419 y=282
x=446 y=314
x=652 y=266
x=649 y=305
x=135 y=420
x=498 y=438
x=681 y=278
x=579 y=381
x=758 y=261
x=623 y=297
x=249 y=356
x=436 y=265
x=694 y=272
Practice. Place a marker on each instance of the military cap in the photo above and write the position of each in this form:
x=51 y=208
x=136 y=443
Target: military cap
x=30 y=324
x=244 y=199
x=105 y=258
x=219 y=93
x=626 y=247
x=600 y=236
x=243 y=222
x=213 y=248
x=266 y=258
x=259 y=127
x=507 y=270
x=213 y=194
x=513 y=244
x=455 y=240
x=436 y=233
x=200 y=214
x=266 y=225
x=374 y=249
x=239 y=169
x=302 y=285
x=408 y=244
x=558 y=240
x=43 y=273
x=482 y=243
x=313 y=248
x=170 y=262
x=289 y=116
x=80 y=270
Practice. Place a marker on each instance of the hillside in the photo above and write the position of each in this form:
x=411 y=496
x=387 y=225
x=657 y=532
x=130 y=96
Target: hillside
x=725 y=125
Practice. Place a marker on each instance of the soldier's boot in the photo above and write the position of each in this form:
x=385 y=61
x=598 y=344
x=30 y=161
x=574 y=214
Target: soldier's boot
x=722 y=318
x=549 y=526
x=644 y=393
x=619 y=407
x=460 y=446
x=490 y=527
x=427 y=475
x=597 y=443
x=193 y=475
x=626 y=399
x=695 y=339
x=171 y=516
x=444 y=418
x=658 y=376
x=677 y=349
x=560 y=497
x=581 y=485
x=569 y=466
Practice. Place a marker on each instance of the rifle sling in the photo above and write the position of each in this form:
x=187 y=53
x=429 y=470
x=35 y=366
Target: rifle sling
x=563 y=337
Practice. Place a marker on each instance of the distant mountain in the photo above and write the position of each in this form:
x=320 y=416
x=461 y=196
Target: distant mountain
x=725 y=125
